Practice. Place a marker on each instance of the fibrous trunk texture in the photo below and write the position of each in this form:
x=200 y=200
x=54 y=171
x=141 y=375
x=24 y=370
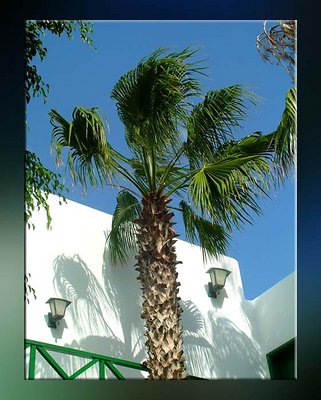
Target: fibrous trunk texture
x=156 y=264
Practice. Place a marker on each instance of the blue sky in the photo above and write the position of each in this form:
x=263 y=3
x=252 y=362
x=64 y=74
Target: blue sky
x=80 y=76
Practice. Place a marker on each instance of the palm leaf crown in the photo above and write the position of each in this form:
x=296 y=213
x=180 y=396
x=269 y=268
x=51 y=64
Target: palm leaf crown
x=178 y=148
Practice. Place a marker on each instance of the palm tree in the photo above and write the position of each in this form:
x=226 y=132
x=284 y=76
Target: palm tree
x=179 y=152
x=277 y=45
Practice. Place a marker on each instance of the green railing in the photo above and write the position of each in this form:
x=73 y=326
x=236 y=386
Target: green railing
x=102 y=361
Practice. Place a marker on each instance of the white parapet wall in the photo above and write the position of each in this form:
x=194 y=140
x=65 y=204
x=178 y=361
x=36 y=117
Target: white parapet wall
x=275 y=314
x=226 y=337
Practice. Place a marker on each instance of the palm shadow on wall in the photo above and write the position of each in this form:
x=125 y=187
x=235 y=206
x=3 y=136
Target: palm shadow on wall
x=94 y=307
x=204 y=337
x=90 y=312
x=196 y=346
x=123 y=289
x=214 y=346
x=236 y=354
x=74 y=281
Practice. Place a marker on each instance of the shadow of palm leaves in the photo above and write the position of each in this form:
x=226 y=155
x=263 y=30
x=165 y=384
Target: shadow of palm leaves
x=123 y=289
x=74 y=281
x=90 y=310
x=196 y=346
x=215 y=346
x=234 y=354
x=192 y=318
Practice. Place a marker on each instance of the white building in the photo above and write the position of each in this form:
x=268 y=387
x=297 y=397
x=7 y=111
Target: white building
x=224 y=337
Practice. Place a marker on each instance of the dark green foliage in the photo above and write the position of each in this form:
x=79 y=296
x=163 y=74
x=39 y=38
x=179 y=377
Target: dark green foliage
x=153 y=97
x=39 y=183
x=91 y=158
x=34 y=30
x=214 y=120
x=122 y=237
x=212 y=238
x=178 y=149
x=285 y=136
x=88 y=151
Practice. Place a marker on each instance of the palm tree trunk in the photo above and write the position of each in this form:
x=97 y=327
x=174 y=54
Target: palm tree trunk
x=156 y=263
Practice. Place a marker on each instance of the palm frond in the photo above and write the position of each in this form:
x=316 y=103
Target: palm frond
x=278 y=45
x=285 y=135
x=213 y=238
x=121 y=239
x=253 y=144
x=213 y=121
x=90 y=158
x=152 y=98
x=173 y=181
x=170 y=180
x=227 y=189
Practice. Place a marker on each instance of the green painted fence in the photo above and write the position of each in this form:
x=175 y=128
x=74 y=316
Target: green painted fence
x=102 y=361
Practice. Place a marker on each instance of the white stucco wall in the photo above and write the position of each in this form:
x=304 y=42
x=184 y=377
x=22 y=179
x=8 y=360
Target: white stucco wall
x=275 y=313
x=222 y=338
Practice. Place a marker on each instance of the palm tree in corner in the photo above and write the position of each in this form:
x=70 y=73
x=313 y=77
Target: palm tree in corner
x=179 y=152
x=277 y=45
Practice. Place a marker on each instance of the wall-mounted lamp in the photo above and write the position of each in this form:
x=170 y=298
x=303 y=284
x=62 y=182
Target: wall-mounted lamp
x=57 y=308
x=218 y=277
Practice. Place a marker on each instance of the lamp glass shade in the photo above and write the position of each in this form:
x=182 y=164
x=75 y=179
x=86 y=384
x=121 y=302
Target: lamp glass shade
x=218 y=276
x=58 y=307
